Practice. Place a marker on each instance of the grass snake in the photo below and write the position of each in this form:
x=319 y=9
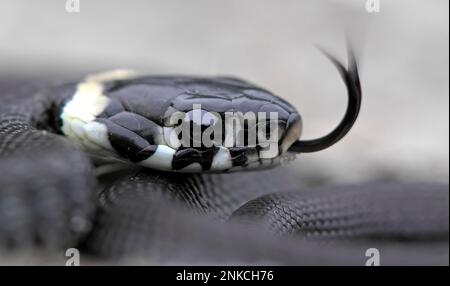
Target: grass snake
x=53 y=196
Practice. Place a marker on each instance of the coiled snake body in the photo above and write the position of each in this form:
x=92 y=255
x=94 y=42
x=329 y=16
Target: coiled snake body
x=50 y=198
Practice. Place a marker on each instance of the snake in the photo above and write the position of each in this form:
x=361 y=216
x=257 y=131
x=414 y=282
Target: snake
x=95 y=165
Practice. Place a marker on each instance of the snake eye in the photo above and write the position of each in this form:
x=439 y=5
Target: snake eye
x=270 y=129
x=199 y=120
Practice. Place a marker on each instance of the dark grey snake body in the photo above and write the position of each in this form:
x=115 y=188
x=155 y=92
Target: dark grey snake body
x=50 y=199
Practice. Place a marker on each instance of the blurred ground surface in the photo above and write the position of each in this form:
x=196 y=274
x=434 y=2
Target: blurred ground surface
x=402 y=133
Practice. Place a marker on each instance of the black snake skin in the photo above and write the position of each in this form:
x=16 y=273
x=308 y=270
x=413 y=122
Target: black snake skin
x=53 y=197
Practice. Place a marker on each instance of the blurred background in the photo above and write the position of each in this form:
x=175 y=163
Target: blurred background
x=402 y=133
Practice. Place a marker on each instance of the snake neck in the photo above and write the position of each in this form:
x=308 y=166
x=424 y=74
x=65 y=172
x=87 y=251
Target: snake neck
x=47 y=105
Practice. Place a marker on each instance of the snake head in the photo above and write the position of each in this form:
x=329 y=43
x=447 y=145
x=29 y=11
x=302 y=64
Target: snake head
x=192 y=124
x=182 y=124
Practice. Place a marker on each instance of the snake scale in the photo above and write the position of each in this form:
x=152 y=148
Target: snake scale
x=52 y=197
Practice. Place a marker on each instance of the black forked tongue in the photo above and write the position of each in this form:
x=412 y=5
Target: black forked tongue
x=351 y=79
